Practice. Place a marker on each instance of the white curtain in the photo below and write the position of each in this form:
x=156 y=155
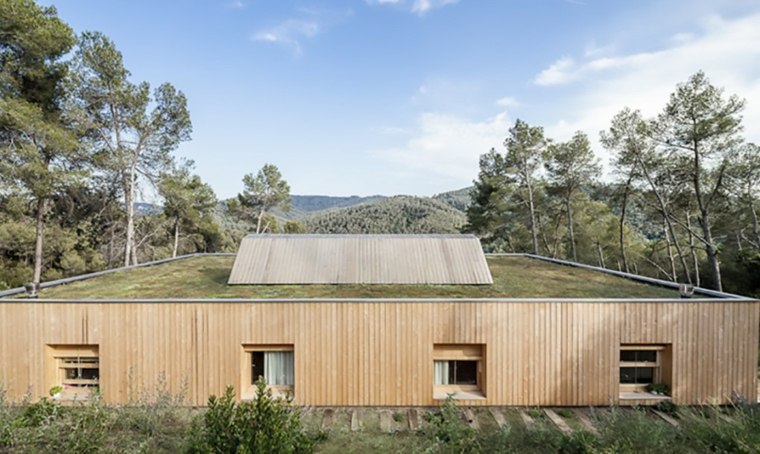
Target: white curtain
x=278 y=368
x=441 y=372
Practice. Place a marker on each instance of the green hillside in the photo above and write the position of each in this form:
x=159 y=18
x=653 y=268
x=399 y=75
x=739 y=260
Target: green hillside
x=459 y=199
x=398 y=214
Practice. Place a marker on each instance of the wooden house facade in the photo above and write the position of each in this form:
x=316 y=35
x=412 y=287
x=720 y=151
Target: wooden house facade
x=384 y=353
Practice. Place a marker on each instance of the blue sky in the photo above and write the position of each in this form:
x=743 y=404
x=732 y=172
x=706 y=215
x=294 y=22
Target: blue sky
x=402 y=96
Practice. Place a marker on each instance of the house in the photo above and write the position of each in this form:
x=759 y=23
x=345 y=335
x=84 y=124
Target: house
x=379 y=320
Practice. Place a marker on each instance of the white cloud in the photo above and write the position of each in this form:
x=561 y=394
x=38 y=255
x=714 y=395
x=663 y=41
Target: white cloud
x=561 y=71
x=726 y=50
x=447 y=147
x=289 y=34
x=423 y=6
x=507 y=101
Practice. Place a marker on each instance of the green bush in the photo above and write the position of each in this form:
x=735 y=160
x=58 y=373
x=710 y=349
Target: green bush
x=659 y=388
x=264 y=425
x=668 y=407
x=449 y=431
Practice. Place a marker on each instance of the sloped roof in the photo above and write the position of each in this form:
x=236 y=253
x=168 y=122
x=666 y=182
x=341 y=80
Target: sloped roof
x=360 y=259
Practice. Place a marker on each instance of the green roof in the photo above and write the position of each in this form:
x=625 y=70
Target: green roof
x=206 y=277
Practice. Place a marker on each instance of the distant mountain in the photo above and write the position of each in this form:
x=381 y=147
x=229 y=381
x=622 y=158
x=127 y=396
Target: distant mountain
x=398 y=214
x=147 y=209
x=303 y=206
x=459 y=199
x=312 y=203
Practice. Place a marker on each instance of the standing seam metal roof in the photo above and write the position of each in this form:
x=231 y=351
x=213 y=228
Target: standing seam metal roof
x=360 y=259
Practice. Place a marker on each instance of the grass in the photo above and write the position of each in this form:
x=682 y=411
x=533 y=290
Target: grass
x=206 y=277
x=164 y=425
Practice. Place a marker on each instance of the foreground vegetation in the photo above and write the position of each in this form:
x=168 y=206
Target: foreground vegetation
x=162 y=424
x=206 y=277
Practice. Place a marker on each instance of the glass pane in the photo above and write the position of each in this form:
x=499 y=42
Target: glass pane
x=627 y=375
x=465 y=372
x=644 y=374
x=441 y=372
x=628 y=355
x=639 y=356
x=88 y=374
x=278 y=368
x=257 y=366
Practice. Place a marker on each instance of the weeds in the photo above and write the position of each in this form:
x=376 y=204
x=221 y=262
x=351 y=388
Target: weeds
x=158 y=423
x=449 y=431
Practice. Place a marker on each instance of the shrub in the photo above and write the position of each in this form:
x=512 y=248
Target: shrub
x=6 y=422
x=659 y=388
x=668 y=407
x=263 y=425
x=449 y=431
x=39 y=413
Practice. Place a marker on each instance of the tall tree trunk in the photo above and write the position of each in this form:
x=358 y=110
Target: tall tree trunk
x=130 y=207
x=532 y=209
x=38 y=237
x=258 y=222
x=547 y=246
x=712 y=253
x=600 y=253
x=755 y=227
x=670 y=253
x=570 y=230
x=692 y=246
x=668 y=223
x=176 y=238
x=623 y=213
x=704 y=222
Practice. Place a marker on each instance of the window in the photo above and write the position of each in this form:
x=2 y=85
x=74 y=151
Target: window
x=273 y=363
x=73 y=371
x=643 y=365
x=458 y=370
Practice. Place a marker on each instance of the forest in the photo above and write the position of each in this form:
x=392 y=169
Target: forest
x=82 y=143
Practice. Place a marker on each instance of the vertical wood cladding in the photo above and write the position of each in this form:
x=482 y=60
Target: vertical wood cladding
x=381 y=353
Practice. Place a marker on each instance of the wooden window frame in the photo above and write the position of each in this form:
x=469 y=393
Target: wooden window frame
x=656 y=366
x=461 y=352
x=62 y=357
x=247 y=386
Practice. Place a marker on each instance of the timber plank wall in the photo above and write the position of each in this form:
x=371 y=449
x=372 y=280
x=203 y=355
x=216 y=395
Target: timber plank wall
x=559 y=353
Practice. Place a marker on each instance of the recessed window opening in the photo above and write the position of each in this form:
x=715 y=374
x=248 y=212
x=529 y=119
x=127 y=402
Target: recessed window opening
x=273 y=363
x=645 y=368
x=74 y=371
x=276 y=368
x=459 y=371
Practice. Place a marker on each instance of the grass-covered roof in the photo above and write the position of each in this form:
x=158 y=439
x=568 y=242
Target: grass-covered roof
x=206 y=277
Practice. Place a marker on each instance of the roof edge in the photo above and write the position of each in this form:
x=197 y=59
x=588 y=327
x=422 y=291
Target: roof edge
x=84 y=277
x=623 y=274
